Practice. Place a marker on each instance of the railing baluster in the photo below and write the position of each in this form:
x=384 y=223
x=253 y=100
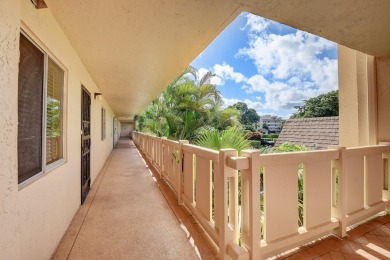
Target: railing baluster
x=339 y=192
x=180 y=173
x=250 y=204
x=228 y=230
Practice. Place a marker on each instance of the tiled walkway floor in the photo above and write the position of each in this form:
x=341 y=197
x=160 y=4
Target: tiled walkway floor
x=368 y=241
x=127 y=216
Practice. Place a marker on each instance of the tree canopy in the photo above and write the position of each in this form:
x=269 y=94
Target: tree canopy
x=321 y=106
x=248 y=116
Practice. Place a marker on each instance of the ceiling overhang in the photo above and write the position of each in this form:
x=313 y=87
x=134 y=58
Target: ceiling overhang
x=133 y=49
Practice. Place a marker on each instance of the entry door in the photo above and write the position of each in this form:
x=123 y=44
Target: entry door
x=115 y=130
x=85 y=143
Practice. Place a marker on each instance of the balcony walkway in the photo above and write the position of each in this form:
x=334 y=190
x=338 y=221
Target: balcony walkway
x=130 y=214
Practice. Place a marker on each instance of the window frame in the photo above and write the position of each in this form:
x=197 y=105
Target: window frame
x=46 y=168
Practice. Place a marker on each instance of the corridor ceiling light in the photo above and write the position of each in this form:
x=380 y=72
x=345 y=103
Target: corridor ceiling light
x=98 y=96
x=39 y=4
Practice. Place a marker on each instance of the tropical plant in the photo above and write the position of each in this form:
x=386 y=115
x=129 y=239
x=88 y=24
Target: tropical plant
x=187 y=108
x=233 y=137
x=53 y=111
x=289 y=147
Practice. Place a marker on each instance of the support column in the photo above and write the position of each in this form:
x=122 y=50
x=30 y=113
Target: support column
x=383 y=79
x=357 y=98
x=9 y=62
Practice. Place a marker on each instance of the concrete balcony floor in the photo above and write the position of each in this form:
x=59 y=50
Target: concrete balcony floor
x=370 y=240
x=131 y=214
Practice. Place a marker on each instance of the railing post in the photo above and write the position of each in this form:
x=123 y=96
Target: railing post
x=142 y=144
x=250 y=204
x=162 y=167
x=180 y=173
x=226 y=196
x=386 y=193
x=339 y=201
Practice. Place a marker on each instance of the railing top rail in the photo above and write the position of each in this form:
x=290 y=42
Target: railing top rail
x=238 y=162
x=155 y=138
x=367 y=150
x=298 y=157
x=170 y=142
x=202 y=152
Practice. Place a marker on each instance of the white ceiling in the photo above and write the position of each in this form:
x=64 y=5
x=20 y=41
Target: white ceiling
x=135 y=48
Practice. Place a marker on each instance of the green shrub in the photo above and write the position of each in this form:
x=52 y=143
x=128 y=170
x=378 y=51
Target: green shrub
x=289 y=147
x=256 y=144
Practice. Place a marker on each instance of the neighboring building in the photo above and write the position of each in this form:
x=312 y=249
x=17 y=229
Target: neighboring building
x=315 y=133
x=274 y=124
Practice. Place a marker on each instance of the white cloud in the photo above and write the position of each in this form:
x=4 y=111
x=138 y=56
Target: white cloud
x=217 y=81
x=230 y=101
x=277 y=95
x=251 y=104
x=222 y=73
x=256 y=23
x=286 y=56
x=291 y=67
x=226 y=72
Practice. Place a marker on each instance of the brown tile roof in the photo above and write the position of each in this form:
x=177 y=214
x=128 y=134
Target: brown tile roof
x=315 y=133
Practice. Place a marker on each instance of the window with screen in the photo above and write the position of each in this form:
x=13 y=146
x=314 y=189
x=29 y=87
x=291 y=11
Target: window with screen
x=30 y=109
x=103 y=123
x=40 y=111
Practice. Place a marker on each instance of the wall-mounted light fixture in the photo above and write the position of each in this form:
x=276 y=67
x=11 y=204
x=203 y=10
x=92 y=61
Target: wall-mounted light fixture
x=39 y=4
x=98 y=96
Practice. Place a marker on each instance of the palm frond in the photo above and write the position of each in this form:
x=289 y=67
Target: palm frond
x=206 y=78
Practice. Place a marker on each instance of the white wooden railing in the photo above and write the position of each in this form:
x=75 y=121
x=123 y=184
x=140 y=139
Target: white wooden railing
x=341 y=186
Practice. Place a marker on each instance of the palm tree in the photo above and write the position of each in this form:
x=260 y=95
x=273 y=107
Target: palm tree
x=186 y=108
x=234 y=138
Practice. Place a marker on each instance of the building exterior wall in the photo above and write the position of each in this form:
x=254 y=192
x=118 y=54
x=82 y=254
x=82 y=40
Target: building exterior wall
x=126 y=129
x=274 y=123
x=34 y=218
x=9 y=58
x=383 y=79
x=357 y=98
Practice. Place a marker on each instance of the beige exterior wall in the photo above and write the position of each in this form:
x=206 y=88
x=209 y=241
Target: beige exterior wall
x=9 y=58
x=383 y=79
x=126 y=129
x=34 y=218
x=357 y=98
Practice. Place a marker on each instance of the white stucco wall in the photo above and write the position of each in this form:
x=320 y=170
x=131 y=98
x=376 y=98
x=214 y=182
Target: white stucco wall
x=33 y=219
x=9 y=58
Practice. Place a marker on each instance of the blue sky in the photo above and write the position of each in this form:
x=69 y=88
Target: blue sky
x=270 y=66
